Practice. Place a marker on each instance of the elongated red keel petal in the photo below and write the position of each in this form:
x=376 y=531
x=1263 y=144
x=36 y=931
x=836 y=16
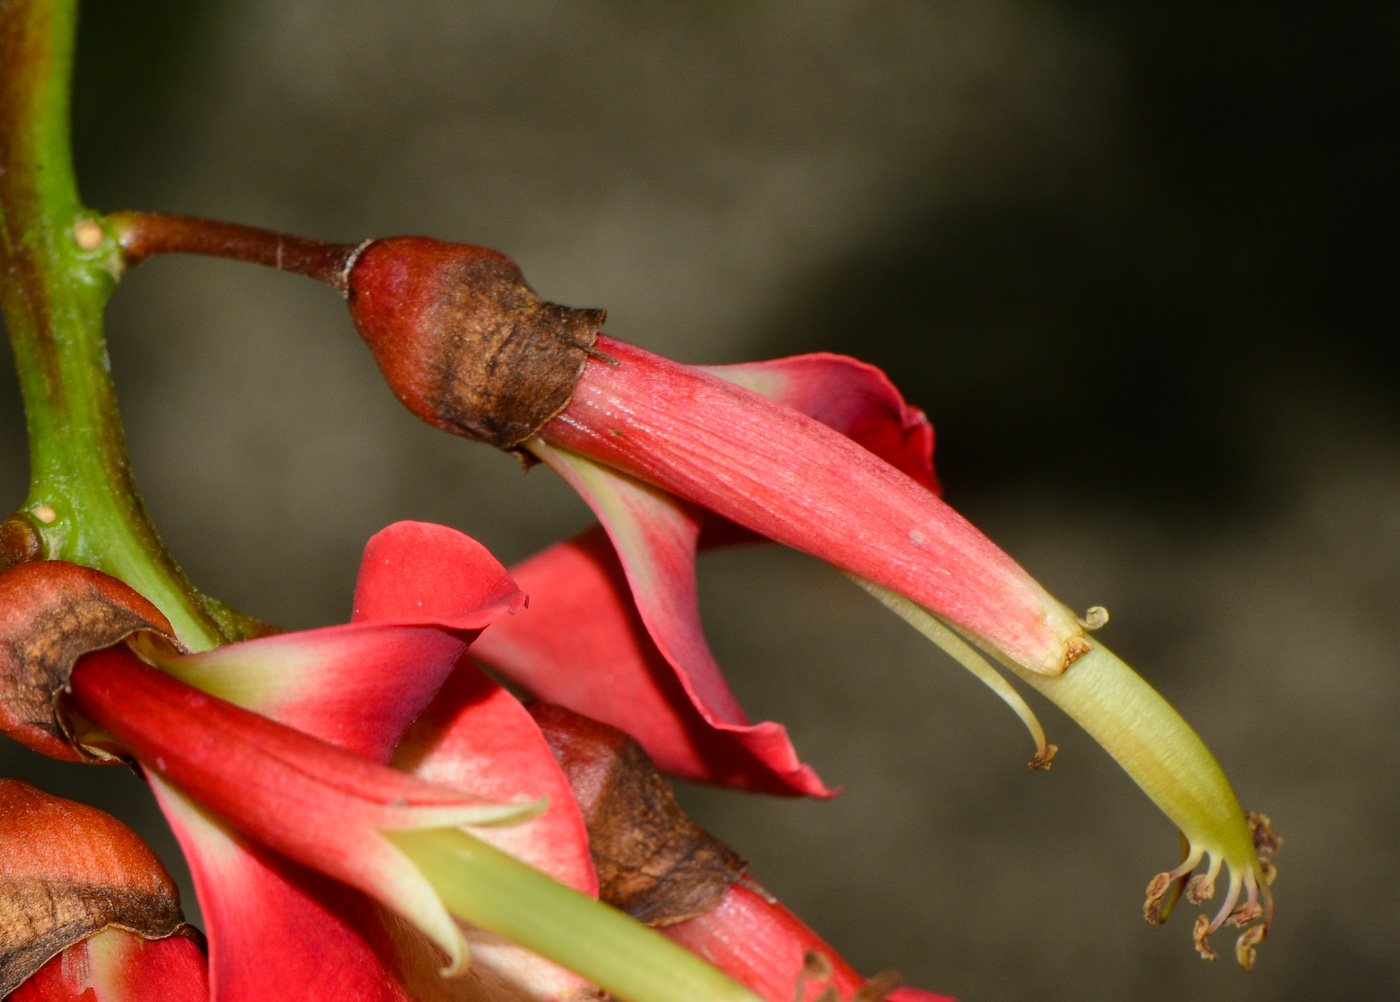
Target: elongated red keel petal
x=794 y=480
x=849 y=396
x=655 y=536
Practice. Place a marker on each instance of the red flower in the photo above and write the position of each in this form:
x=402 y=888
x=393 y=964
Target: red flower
x=317 y=866
x=653 y=445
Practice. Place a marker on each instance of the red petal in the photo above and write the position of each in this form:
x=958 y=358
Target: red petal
x=418 y=572
x=656 y=535
x=849 y=396
x=273 y=924
x=757 y=941
x=424 y=593
x=120 y=966
x=318 y=805
x=476 y=736
x=356 y=686
x=794 y=480
x=583 y=645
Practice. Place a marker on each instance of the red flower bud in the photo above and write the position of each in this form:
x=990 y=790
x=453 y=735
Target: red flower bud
x=463 y=341
x=69 y=872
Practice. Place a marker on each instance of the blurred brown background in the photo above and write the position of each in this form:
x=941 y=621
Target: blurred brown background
x=1133 y=259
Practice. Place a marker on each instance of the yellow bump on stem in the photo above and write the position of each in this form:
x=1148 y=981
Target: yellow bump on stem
x=961 y=652
x=492 y=890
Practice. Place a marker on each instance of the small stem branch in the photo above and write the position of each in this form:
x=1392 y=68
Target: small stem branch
x=143 y=234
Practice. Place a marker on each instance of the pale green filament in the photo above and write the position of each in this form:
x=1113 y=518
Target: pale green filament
x=1147 y=737
x=961 y=652
x=494 y=891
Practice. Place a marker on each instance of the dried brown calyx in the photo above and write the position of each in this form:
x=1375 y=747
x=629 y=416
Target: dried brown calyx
x=653 y=862
x=462 y=339
x=51 y=614
x=70 y=872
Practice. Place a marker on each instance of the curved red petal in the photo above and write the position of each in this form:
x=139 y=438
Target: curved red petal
x=476 y=736
x=424 y=593
x=583 y=645
x=847 y=395
x=272 y=923
x=357 y=686
x=418 y=572
x=796 y=481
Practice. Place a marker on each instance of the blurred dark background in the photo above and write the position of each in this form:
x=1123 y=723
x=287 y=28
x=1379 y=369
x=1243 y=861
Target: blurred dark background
x=1134 y=260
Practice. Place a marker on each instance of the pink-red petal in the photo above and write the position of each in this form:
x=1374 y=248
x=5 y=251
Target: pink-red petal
x=272 y=923
x=848 y=396
x=476 y=736
x=424 y=593
x=796 y=481
x=583 y=645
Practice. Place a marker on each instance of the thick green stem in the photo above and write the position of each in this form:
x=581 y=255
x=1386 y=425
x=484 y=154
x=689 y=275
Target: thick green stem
x=57 y=270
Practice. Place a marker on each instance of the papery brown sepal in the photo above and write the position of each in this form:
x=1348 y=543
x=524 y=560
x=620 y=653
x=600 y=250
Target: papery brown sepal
x=463 y=341
x=52 y=613
x=653 y=862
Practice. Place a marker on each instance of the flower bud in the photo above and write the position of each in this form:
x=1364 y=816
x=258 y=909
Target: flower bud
x=463 y=341
x=71 y=871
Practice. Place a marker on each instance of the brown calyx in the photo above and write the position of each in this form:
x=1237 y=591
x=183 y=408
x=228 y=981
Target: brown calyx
x=19 y=541
x=51 y=614
x=70 y=872
x=464 y=342
x=653 y=862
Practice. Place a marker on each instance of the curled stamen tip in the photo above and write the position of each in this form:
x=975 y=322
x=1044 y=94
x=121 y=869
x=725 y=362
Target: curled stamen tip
x=1044 y=758
x=1268 y=869
x=1201 y=934
x=1201 y=888
x=1266 y=840
x=1246 y=913
x=1158 y=905
x=1095 y=618
x=1245 y=947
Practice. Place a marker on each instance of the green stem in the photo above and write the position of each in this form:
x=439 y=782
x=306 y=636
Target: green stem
x=57 y=270
x=496 y=892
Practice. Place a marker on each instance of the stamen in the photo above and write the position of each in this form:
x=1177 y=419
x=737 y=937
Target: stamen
x=1202 y=886
x=1266 y=840
x=1204 y=926
x=961 y=652
x=1096 y=618
x=1251 y=909
x=1201 y=934
x=1164 y=889
x=1245 y=951
x=1236 y=883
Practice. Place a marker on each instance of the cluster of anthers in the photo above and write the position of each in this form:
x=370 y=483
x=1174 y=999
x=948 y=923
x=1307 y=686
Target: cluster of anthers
x=1251 y=878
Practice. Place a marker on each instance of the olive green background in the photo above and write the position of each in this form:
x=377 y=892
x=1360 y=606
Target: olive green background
x=1133 y=259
